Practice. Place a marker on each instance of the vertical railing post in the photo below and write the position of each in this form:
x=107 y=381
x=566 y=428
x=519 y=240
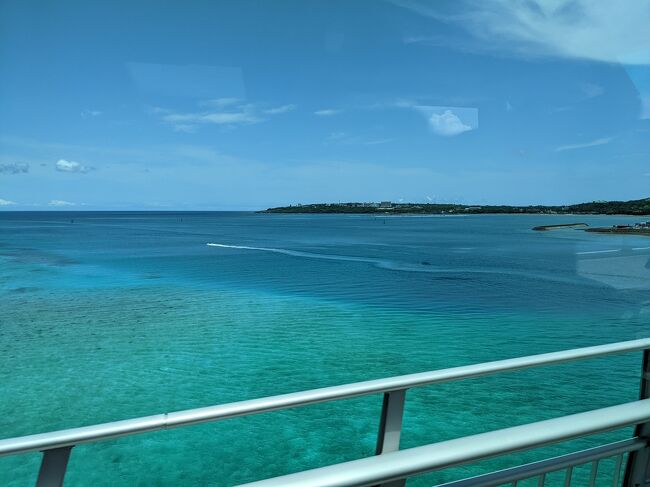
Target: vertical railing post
x=53 y=467
x=390 y=427
x=637 y=470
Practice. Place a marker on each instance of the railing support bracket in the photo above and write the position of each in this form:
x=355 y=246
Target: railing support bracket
x=637 y=471
x=53 y=467
x=390 y=427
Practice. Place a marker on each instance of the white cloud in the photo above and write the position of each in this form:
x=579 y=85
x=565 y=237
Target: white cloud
x=222 y=111
x=327 y=112
x=60 y=203
x=280 y=109
x=14 y=168
x=593 y=143
x=219 y=118
x=447 y=124
x=6 y=202
x=63 y=165
x=446 y=121
x=581 y=29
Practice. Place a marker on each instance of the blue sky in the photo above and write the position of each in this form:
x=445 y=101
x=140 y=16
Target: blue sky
x=245 y=105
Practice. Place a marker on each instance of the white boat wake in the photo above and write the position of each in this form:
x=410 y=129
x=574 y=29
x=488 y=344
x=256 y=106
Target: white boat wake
x=393 y=265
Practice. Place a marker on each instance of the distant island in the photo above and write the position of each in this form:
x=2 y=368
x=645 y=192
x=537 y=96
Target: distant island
x=633 y=207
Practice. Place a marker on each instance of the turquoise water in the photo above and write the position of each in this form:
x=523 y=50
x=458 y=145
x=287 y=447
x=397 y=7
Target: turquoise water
x=107 y=316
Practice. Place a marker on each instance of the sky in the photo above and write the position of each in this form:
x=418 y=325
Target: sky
x=244 y=105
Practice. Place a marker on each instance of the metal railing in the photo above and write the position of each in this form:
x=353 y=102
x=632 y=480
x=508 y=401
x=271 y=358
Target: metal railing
x=567 y=463
x=392 y=466
x=402 y=464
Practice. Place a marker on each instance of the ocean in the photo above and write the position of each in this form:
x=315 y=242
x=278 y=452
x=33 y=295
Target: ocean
x=112 y=315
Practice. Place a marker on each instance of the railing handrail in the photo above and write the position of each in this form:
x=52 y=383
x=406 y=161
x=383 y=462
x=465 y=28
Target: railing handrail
x=115 y=429
x=413 y=461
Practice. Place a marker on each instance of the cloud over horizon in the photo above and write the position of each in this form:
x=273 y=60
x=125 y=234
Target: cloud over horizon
x=63 y=165
x=14 y=168
x=61 y=203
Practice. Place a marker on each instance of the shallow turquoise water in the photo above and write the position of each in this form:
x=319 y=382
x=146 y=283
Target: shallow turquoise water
x=106 y=316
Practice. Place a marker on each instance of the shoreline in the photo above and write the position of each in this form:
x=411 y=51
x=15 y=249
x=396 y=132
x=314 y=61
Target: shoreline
x=619 y=231
x=391 y=213
x=637 y=208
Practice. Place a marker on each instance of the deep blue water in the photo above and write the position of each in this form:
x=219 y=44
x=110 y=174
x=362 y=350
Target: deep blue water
x=106 y=316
